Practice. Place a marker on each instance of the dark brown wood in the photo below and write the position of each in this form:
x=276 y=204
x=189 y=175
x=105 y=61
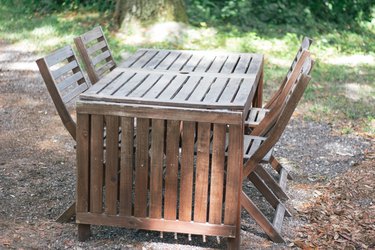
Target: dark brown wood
x=111 y=169
x=127 y=163
x=156 y=224
x=201 y=176
x=187 y=171
x=141 y=168
x=217 y=174
x=172 y=148
x=262 y=221
x=84 y=232
x=83 y=160
x=156 y=168
x=96 y=163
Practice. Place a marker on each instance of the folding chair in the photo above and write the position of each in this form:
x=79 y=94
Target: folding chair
x=259 y=150
x=94 y=50
x=65 y=81
x=256 y=115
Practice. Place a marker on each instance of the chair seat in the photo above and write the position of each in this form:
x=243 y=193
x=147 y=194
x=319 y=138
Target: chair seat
x=255 y=116
x=251 y=145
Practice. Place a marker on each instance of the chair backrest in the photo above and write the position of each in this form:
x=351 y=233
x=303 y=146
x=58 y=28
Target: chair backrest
x=305 y=45
x=94 y=50
x=281 y=122
x=64 y=80
x=303 y=66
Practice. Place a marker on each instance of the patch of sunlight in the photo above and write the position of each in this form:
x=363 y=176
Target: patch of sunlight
x=23 y=46
x=45 y=31
x=279 y=61
x=351 y=60
x=29 y=66
x=166 y=32
x=357 y=91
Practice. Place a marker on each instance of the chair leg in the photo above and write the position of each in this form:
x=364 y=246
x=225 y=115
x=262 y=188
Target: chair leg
x=67 y=214
x=260 y=219
x=278 y=167
x=267 y=193
x=84 y=232
x=271 y=183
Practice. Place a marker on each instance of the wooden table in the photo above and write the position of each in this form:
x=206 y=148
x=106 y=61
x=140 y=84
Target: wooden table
x=160 y=143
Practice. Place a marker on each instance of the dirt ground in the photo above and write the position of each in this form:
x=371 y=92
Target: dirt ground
x=332 y=194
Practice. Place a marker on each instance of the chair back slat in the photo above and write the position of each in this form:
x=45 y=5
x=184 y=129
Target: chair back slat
x=95 y=52
x=64 y=69
x=59 y=55
x=305 y=45
x=64 y=80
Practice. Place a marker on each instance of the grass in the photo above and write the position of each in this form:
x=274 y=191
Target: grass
x=342 y=90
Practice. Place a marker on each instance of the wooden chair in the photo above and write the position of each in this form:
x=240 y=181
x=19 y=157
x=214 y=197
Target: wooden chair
x=65 y=81
x=94 y=50
x=260 y=148
x=256 y=115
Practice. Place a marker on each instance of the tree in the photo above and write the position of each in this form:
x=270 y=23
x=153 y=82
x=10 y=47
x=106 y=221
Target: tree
x=149 y=11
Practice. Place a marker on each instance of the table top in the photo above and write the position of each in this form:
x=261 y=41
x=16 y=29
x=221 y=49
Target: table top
x=195 y=79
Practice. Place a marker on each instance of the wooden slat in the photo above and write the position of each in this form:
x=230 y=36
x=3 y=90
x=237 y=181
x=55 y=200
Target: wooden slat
x=130 y=85
x=187 y=171
x=96 y=162
x=126 y=167
x=192 y=63
x=154 y=62
x=83 y=159
x=172 y=89
x=216 y=89
x=64 y=69
x=279 y=217
x=201 y=177
x=256 y=62
x=233 y=179
x=156 y=168
x=106 y=67
x=69 y=81
x=133 y=58
x=156 y=112
x=217 y=64
x=201 y=90
x=156 y=89
x=181 y=61
x=230 y=90
x=243 y=64
x=98 y=46
x=246 y=91
x=111 y=168
x=167 y=62
x=262 y=221
x=157 y=224
x=205 y=63
x=74 y=93
x=115 y=84
x=283 y=178
x=141 y=168
x=144 y=59
x=188 y=87
x=217 y=174
x=89 y=36
x=101 y=57
x=104 y=82
x=141 y=90
x=230 y=64
x=59 y=55
x=172 y=151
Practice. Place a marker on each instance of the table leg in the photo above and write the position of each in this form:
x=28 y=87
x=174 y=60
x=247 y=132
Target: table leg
x=84 y=232
x=258 y=98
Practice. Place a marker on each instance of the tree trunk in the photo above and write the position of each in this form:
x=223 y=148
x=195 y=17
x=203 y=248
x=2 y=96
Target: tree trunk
x=149 y=11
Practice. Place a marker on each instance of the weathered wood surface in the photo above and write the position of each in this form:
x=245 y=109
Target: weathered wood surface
x=182 y=79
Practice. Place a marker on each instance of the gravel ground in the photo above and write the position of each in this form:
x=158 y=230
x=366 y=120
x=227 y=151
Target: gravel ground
x=37 y=171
